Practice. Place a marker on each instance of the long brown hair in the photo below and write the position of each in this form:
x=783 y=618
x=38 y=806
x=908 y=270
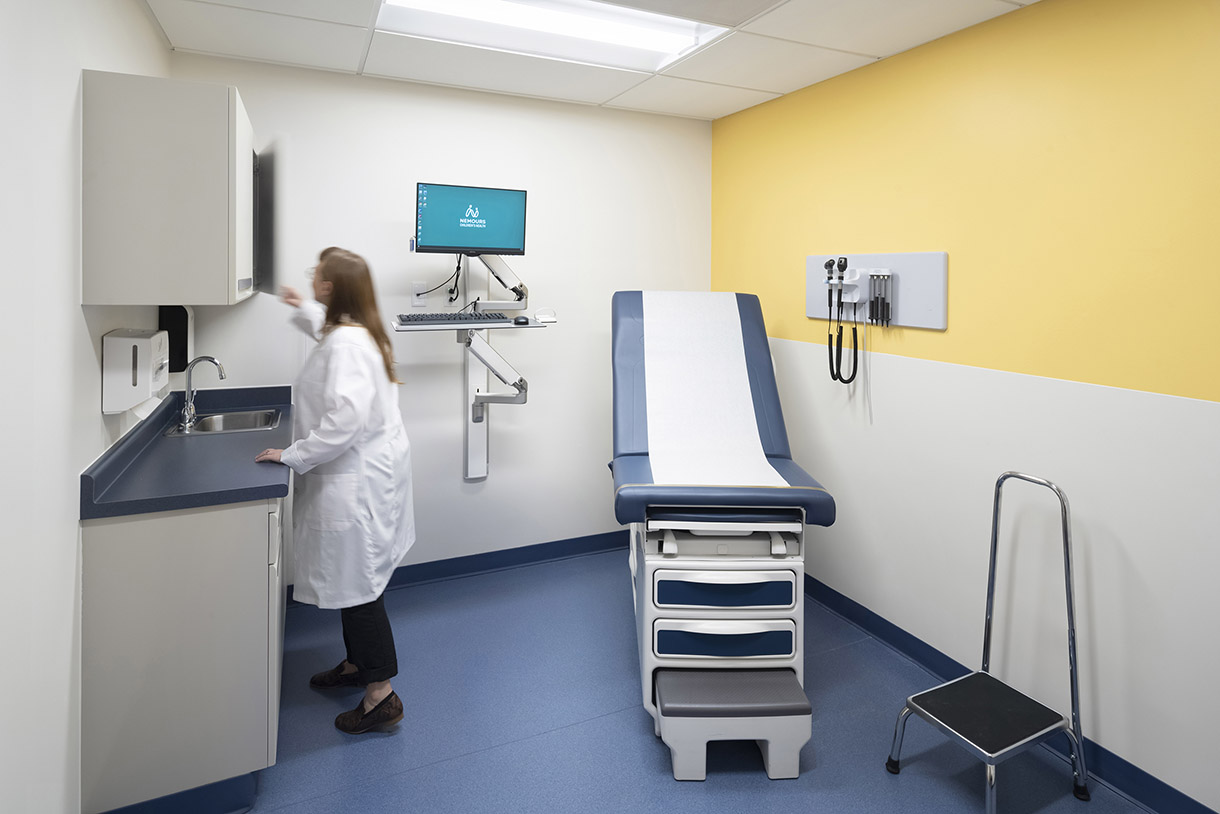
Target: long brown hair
x=352 y=299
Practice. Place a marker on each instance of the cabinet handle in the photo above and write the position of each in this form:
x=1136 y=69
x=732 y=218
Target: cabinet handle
x=273 y=537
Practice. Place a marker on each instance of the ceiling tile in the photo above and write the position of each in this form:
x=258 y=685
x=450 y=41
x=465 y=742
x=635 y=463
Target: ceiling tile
x=345 y=12
x=728 y=13
x=779 y=46
x=684 y=97
x=398 y=56
x=879 y=28
x=234 y=32
x=764 y=63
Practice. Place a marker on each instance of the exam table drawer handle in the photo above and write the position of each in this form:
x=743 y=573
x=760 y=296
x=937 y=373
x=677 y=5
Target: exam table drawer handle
x=700 y=638
x=725 y=589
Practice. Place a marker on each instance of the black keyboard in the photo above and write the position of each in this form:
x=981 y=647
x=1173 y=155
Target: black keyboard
x=476 y=317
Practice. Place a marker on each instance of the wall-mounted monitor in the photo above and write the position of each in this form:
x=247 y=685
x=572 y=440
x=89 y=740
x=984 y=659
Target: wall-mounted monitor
x=469 y=220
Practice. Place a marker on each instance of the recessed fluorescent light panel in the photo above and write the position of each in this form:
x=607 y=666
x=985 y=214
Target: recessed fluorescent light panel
x=573 y=30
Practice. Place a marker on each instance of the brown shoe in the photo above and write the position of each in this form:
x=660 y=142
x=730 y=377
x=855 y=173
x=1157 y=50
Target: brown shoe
x=335 y=678
x=383 y=716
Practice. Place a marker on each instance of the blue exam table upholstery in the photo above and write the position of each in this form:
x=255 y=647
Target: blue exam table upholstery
x=636 y=490
x=717 y=510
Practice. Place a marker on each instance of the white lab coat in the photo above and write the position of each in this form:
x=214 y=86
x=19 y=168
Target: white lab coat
x=353 y=512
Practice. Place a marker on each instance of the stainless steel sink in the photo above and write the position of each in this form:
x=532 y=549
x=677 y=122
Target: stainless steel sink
x=218 y=423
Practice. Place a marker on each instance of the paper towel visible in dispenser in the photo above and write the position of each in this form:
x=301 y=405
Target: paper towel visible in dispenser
x=135 y=367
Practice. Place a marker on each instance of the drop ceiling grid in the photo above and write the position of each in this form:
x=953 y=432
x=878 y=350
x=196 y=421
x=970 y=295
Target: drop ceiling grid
x=773 y=47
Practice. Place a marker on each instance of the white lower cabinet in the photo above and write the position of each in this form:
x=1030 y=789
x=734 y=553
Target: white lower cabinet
x=181 y=639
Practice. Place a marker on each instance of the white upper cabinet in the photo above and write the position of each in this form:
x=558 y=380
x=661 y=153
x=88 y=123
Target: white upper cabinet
x=168 y=192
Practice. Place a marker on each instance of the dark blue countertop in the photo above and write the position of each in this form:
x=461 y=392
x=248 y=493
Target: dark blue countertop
x=148 y=472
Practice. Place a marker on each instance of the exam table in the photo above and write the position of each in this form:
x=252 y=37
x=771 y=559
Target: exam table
x=717 y=509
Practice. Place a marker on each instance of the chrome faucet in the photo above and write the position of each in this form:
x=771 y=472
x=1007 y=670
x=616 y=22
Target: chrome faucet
x=188 y=410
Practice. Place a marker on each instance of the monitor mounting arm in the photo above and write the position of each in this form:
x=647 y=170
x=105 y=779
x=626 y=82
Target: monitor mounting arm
x=497 y=364
x=505 y=277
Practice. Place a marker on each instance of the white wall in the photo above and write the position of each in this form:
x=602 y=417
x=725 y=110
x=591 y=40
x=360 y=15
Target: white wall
x=913 y=481
x=352 y=150
x=616 y=201
x=49 y=354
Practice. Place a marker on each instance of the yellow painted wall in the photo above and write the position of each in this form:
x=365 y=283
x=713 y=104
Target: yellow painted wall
x=1067 y=157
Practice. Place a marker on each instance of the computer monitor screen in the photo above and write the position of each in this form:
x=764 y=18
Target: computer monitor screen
x=469 y=220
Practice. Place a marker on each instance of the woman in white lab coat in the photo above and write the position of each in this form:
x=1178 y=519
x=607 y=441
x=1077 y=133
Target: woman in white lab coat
x=353 y=513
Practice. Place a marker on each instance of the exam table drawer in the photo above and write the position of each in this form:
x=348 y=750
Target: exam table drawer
x=724 y=638
x=739 y=590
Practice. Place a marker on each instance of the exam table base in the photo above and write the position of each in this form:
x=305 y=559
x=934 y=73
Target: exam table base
x=763 y=561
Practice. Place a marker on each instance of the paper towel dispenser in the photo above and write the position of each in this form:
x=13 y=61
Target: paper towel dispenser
x=135 y=367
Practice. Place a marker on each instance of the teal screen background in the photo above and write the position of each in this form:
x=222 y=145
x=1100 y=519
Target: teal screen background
x=474 y=219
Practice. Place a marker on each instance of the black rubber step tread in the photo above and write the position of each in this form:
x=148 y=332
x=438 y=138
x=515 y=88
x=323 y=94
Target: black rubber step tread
x=986 y=712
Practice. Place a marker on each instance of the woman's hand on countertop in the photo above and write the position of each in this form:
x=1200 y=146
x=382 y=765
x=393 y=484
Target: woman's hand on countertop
x=272 y=455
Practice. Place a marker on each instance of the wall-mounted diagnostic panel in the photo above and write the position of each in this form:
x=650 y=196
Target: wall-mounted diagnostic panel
x=908 y=289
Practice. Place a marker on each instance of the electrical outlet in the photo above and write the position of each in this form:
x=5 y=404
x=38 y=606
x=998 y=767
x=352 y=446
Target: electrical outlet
x=419 y=295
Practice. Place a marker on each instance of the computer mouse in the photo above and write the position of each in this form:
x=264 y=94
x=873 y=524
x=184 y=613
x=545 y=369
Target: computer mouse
x=521 y=320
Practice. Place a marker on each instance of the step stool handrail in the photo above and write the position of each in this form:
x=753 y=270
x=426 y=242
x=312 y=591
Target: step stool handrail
x=1065 y=513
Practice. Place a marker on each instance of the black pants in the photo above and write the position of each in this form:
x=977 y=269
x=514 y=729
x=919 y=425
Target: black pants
x=369 y=641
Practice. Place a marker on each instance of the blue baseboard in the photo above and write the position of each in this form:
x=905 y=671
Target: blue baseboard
x=500 y=560
x=508 y=558
x=1103 y=764
x=233 y=796
x=923 y=654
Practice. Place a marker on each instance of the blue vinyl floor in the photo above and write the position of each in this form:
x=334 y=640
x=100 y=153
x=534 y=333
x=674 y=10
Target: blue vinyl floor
x=522 y=694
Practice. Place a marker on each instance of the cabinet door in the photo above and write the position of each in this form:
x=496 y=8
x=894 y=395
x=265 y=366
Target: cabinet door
x=167 y=213
x=174 y=640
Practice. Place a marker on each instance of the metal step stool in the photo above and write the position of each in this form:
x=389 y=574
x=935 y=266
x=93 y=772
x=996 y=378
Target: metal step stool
x=988 y=718
x=767 y=706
